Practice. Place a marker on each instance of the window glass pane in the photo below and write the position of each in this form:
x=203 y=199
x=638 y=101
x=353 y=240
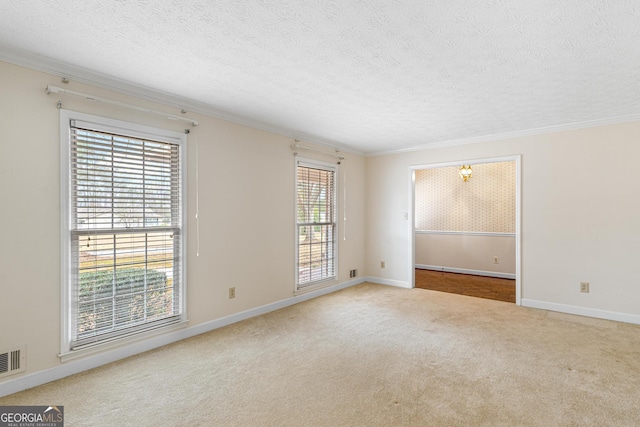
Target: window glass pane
x=316 y=225
x=125 y=234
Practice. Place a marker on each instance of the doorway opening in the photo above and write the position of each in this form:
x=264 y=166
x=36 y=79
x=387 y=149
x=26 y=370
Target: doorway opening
x=465 y=234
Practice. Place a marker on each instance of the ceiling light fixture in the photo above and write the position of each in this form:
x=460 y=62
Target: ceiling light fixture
x=465 y=172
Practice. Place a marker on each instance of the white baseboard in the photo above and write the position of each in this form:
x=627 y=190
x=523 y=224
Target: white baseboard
x=76 y=366
x=582 y=311
x=234 y=318
x=389 y=282
x=467 y=271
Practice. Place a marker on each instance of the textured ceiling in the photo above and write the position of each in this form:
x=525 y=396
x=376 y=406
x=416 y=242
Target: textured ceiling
x=374 y=75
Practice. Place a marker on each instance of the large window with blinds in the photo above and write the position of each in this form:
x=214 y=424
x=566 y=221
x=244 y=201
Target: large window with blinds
x=123 y=190
x=315 y=222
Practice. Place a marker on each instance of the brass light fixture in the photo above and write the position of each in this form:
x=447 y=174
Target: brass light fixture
x=465 y=172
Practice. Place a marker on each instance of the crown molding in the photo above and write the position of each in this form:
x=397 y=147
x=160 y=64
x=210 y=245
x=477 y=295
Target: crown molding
x=82 y=75
x=103 y=81
x=509 y=135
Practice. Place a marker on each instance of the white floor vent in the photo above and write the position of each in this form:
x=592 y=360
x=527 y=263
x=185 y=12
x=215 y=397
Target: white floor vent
x=12 y=361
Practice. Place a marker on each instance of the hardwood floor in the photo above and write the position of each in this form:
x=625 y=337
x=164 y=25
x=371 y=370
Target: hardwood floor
x=465 y=284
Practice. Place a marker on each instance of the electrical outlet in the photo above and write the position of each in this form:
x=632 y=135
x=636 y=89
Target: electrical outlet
x=232 y=293
x=496 y=260
x=383 y=264
x=353 y=273
x=584 y=287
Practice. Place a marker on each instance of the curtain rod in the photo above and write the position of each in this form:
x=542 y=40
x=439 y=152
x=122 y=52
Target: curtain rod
x=295 y=146
x=56 y=89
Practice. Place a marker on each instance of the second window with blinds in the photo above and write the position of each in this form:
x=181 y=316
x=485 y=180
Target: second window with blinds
x=315 y=222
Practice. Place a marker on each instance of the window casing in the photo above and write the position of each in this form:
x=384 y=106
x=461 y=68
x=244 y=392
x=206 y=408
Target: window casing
x=315 y=222
x=123 y=229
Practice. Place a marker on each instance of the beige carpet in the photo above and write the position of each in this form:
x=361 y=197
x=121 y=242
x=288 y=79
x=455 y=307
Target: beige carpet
x=372 y=356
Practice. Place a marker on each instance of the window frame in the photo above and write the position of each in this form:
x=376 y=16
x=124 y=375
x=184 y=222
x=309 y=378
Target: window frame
x=103 y=124
x=325 y=281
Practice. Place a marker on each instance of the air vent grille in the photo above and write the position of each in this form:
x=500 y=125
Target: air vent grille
x=12 y=361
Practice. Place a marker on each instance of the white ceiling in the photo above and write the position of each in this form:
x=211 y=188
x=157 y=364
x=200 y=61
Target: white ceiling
x=369 y=75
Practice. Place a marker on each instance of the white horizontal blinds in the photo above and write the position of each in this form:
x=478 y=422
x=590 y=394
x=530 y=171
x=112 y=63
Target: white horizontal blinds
x=123 y=182
x=125 y=234
x=316 y=223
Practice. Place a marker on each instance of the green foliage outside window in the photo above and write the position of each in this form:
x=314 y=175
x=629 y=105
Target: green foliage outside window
x=135 y=295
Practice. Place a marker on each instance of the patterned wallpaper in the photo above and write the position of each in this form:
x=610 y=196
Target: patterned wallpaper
x=485 y=203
